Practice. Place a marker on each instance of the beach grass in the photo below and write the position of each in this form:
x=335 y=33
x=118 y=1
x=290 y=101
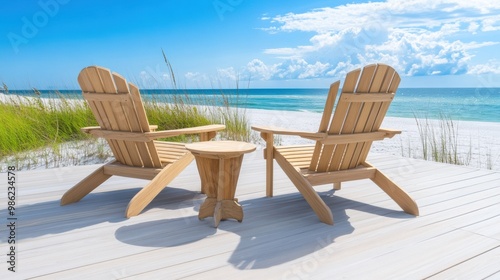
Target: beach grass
x=235 y=118
x=31 y=122
x=439 y=140
x=171 y=113
x=37 y=131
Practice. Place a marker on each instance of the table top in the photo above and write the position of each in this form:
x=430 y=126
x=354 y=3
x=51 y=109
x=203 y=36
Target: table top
x=221 y=147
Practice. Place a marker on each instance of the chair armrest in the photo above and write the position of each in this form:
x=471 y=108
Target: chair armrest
x=330 y=139
x=284 y=131
x=88 y=129
x=209 y=130
x=359 y=137
x=389 y=133
x=183 y=131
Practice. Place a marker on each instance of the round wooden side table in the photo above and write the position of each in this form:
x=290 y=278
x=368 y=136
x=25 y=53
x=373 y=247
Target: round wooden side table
x=219 y=164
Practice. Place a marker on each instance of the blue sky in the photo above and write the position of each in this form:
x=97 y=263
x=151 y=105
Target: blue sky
x=256 y=44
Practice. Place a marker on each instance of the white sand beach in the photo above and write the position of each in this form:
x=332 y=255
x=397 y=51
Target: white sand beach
x=478 y=143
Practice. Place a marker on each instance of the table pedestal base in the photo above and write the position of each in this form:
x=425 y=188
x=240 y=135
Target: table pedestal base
x=219 y=164
x=221 y=210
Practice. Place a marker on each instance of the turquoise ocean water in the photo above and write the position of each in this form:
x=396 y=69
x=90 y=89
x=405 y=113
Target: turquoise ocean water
x=474 y=104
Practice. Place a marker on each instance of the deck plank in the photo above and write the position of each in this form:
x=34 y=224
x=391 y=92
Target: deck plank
x=456 y=235
x=482 y=266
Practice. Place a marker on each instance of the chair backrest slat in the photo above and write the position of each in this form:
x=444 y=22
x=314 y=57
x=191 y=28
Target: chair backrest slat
x=142 y=123
x=325 y=120
x=368 y=94
x=325 y=153
x=368 y=115
x=115 y=108
x=329 y=105
x=348 y=115
x=391 y=84
x=139 y=107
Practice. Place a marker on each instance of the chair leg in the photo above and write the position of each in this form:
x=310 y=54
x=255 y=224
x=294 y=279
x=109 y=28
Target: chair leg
x=159 y=182
x=269 y=176
x=396 y=193
x=203 y=187
x=85 y=186
x=306 y=189
x=269 y=157
x=337 y=186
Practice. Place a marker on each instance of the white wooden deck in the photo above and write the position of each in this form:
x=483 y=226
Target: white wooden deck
x=457 y=235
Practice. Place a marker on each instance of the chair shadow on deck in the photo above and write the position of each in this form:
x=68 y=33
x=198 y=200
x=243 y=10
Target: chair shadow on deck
x=48 y=217
x=269 y=236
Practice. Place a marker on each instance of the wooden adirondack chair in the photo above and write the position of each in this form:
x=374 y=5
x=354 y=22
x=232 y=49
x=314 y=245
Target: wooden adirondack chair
x=119 y=111
x=342 y=141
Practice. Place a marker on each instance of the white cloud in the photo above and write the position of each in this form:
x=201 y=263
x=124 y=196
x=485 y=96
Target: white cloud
x=418 y=37
x=473 y=27
x=491 y=24
x=222 y=78
x=288 y=69
x=314 y=70
x=424 y=53
x=192 y=75
x=256 y=69
x=227 y=73
x=493 y=67
x=197 y=79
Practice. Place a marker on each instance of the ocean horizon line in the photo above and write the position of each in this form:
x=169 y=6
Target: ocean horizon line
x=469 y=104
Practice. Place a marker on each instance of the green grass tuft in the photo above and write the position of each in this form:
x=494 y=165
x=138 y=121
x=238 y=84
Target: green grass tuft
x=32 y=122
